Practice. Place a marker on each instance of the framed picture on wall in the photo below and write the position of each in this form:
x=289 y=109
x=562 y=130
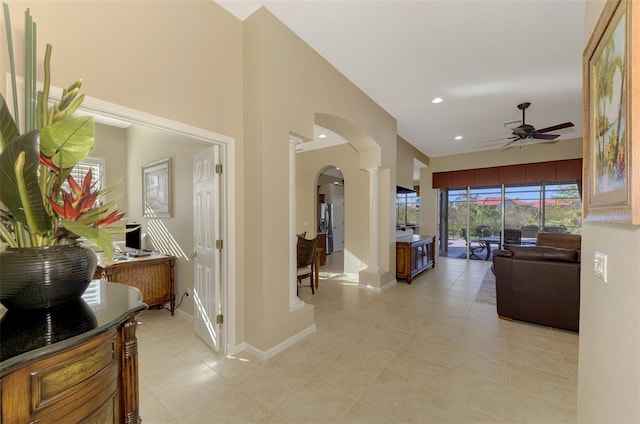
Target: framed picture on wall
x=611 y=93
x=156 y=189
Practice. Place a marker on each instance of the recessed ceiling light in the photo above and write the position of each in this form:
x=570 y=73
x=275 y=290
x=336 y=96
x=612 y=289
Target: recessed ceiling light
x=437 y=100
x=458 y=137
x=322 y=136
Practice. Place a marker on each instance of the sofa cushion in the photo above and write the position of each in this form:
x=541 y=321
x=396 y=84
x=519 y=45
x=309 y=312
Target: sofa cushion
x=541 y=253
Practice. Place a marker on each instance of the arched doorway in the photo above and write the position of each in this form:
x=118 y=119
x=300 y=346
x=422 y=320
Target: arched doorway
x=330 y=217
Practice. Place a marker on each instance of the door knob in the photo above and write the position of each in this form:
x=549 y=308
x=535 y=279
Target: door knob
x=194 y=254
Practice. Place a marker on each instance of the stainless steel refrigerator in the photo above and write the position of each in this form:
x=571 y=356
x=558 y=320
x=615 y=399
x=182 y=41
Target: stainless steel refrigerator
x=325 y=224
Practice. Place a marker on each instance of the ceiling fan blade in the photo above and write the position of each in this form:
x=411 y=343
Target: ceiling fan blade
x=545 y=136
x=509 y=144
x=497 y=139
x=556 y=127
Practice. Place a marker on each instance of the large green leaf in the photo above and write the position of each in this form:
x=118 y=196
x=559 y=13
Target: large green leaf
x=68 y=141
x=8 y=129
x=100 y=238
x=9 y=190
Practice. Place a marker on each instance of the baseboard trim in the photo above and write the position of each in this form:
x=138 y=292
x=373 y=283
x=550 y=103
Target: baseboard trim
x=379 y=289
x=183 y=314
x=266 y=354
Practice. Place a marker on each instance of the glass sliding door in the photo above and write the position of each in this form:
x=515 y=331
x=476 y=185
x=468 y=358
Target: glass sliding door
x=485 y=212
x=455 y=221
x=523 y=213
x=472 y=214
x=562 y=208
x=495 y=216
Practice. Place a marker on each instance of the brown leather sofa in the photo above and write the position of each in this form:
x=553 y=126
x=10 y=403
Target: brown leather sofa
x=538 y=284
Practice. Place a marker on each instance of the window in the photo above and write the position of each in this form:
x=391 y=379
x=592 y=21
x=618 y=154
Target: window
x=96 y=165
x=407 y=210
x=562 y=208
x=527 y=209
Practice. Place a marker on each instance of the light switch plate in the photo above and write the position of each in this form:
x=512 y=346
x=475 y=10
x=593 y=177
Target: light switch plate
x=600 y=266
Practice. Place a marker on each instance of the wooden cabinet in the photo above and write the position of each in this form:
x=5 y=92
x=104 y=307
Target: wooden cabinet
x=153 y=275
x=322 y=248
x=89 y=377
x=414 y=254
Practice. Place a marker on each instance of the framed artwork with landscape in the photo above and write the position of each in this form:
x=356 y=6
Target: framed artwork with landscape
x=156 y=189
x=611 y=92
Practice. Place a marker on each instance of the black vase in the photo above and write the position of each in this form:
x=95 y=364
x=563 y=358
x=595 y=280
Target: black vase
x=41 y=277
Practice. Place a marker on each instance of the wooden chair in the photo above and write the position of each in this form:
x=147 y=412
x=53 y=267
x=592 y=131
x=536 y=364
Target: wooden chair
x=306 y=260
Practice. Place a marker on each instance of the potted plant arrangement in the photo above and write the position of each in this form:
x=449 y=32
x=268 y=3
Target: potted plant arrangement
x=43 y=209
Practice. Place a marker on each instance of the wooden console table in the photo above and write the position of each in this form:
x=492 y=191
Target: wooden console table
x=73 y=363
x=414 y=254
x=153 y=275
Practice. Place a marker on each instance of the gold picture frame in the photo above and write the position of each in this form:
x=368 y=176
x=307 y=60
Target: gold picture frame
x=611 y=145
x=156 y=189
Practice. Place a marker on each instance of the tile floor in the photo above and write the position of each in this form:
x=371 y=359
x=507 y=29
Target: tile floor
x=420 y=353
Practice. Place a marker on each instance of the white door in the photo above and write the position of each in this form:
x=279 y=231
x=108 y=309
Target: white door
x=207 y=290
x=338 y=224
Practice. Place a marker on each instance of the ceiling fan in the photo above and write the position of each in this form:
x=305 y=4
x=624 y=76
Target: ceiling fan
x=526 y=131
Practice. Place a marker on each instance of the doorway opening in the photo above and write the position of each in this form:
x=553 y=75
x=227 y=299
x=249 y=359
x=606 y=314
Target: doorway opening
x=330 y=219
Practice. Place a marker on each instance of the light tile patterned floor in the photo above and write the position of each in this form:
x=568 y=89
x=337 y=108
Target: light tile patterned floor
x=420 y=353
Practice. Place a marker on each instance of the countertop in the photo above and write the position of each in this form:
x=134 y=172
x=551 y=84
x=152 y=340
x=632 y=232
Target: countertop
x=27 y=335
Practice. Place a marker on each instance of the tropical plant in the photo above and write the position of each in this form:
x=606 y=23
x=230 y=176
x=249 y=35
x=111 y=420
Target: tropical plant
x=37 y=208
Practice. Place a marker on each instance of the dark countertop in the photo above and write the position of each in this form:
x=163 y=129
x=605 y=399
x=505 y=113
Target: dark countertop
x=27 y=335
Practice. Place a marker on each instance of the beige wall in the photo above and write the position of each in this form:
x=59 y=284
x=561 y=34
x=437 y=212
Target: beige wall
x=286 y=83
x=609 y=363
x=177 y=62
x=356 y=199
x=406 y=155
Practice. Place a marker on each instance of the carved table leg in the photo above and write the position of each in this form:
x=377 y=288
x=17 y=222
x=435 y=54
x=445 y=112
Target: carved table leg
x=129 y=387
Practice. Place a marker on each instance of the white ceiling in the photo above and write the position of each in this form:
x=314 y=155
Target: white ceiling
x=483 y=57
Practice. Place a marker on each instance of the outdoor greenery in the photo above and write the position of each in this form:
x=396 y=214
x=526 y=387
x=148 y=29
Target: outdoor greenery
x=407 y=210
x=547 y=207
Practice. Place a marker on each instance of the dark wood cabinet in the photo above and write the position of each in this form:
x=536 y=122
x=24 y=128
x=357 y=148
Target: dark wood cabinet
x=322 y=248
x=73 y=363
x=153 y=275
x=414 y=254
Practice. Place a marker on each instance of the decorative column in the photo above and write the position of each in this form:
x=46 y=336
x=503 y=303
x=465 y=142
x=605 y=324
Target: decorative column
x=294 y=300
x=374 y=220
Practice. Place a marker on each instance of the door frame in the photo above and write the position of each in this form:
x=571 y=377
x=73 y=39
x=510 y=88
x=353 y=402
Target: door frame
x=108 y=113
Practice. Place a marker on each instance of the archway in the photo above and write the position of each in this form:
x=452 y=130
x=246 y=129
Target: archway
x=330 y=222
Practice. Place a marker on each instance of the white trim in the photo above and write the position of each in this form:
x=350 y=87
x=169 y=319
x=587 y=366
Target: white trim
x=102 y=108
x=184 y=314
x=374 y=220
x=378 y=289
x=294 y=300
x=353 y=276
x=261 y=354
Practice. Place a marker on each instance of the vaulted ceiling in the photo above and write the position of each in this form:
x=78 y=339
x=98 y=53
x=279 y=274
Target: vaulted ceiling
x=482 y=57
